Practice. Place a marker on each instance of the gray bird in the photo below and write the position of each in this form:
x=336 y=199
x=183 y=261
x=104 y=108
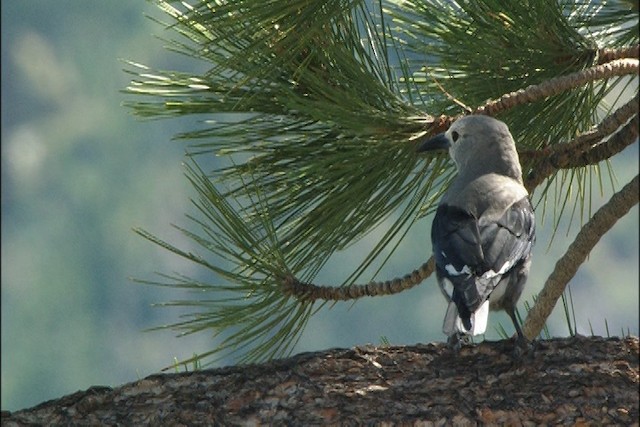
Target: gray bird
x=484 y=228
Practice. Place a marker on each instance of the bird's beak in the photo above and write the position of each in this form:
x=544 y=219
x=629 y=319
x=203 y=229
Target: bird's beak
x=438 y=142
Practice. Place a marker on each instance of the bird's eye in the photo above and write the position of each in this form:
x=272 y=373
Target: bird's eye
x=455 y=135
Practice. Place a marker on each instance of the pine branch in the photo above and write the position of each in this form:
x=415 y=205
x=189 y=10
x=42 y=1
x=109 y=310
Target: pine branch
x=626 y=136
x=588 y=139
x=310 y=292
x=567 y=266
x=569 y=381
x=587 y=149
x=555 y=86
x=607 y=55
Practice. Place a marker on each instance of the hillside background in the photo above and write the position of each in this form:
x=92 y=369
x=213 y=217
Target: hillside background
x=78 y=173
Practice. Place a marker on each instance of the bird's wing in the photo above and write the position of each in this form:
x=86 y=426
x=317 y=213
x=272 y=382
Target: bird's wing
x=456 y=239
x=472 y=253
x=508 y=239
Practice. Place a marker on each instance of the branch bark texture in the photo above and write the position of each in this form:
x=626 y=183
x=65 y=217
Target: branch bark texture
x=607 y=55
x=606 y=140
x=574 y=381
x=533 y=93
x=310 y=292
x=567 y=266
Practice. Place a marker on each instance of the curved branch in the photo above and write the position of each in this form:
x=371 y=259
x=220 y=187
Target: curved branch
x=607 y=55
x=588 y=148
x=552 y=87
x=588 y=139
x=567 y=266
x=626 y=136
x=310 y=292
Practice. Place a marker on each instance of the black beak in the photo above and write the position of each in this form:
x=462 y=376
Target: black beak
x=438 y=142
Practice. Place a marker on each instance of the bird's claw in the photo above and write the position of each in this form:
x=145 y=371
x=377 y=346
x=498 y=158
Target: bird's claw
x=456 y=341
x=522 y=347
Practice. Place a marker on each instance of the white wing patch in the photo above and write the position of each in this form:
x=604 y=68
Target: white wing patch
x=453 y=272
x=505 y=267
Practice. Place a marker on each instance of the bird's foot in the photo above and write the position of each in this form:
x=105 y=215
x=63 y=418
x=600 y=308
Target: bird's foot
x=523 y=347
x=457 y=340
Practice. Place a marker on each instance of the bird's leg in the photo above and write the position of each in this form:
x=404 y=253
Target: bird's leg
x=454 y=342
x=522 y=344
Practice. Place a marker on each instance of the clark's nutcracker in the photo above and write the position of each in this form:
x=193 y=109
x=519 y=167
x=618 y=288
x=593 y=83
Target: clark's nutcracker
x=484 y=227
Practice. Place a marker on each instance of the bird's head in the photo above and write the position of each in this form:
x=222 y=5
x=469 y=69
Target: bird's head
x=476 y=143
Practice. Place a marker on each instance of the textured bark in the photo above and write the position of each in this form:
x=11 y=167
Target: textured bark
x=555 y=86
x=567 y=266
x=562 y=381
x=310 y=292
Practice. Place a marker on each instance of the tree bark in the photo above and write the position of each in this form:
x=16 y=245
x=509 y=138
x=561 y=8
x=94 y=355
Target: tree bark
x=574 y=380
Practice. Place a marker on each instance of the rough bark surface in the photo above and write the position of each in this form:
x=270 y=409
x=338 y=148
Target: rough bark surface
x=569 y=381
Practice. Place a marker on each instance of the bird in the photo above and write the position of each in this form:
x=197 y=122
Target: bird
x=483 y=231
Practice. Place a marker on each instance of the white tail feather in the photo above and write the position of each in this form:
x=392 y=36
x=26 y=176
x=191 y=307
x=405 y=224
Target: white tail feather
x=453 y=324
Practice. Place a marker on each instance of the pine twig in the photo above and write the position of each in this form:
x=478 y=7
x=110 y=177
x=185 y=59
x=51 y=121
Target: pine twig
x=588 y=148
x=310 y=292
x=552 y=87
x=626 y=136
x=451 y=97
x=607 y=55
x=587 y=140
x=567 y=266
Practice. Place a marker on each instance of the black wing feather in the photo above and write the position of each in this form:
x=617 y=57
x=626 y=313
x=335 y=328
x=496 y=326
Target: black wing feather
x=477 y=245
x=456 y=239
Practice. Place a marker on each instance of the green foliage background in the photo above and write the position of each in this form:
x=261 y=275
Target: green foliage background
x=78 y=173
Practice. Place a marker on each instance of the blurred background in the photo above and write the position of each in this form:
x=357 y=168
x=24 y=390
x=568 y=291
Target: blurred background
x=79 y=172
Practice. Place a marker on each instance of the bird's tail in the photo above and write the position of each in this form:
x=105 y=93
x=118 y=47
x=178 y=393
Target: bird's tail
x=453 y=323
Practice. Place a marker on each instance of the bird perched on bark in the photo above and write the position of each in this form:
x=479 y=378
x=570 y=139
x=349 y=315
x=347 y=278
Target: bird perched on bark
x=484 y=228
